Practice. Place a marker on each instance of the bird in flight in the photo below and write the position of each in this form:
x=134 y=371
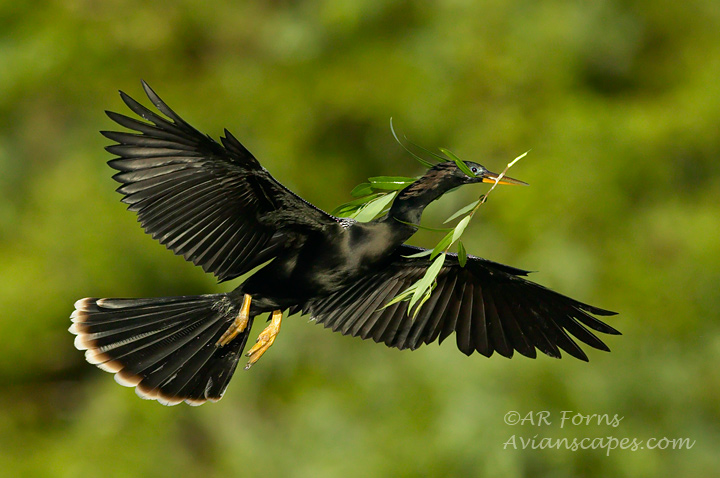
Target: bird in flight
x=215 y=205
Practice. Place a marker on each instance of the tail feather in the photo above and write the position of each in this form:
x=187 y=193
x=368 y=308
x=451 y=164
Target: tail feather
x=163 y=347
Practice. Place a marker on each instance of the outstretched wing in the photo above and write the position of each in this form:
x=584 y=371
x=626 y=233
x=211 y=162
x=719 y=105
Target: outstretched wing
x=489 y=306
x=211 y=203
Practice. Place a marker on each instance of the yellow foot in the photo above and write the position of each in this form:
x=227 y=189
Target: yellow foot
x=238 y=325
x=265 y=339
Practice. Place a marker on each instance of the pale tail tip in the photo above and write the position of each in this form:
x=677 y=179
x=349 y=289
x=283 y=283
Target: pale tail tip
x=194 y=402
x=79 y=341
x=111 y=367
x=127 y=380
x=84 y=304
x=94 y=357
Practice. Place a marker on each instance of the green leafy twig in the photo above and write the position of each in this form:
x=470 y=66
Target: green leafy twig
x=373 y=197
x=419 y=292
x=376 y=195
x=502 y=175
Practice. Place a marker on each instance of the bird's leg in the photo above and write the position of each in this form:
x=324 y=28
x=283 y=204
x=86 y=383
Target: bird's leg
x=265 y=339
x=238 y=325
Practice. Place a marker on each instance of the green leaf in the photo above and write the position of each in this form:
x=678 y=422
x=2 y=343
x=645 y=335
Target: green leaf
x=424 y=299
x=344 y=212
x=443 y=244
x=424 y=253
x=362 y=189
x=510 y=165
x=426 y=281
x=462 y=211
x=449 y=154
x=462 y=254
x=460 y=163
x=420 y=226
x=354 y=204
x=402 y=296
x=422 y=161
x=374 y=207
x=393 y=179
x=460 y=228
x=392 y=183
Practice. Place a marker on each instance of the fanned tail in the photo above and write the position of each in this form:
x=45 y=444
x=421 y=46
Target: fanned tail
x=164 y=347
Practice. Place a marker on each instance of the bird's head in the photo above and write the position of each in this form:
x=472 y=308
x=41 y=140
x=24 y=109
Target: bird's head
x=449 y=172
x=438 y=180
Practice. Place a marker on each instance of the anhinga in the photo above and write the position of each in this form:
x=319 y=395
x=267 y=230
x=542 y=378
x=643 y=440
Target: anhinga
x=215 y=205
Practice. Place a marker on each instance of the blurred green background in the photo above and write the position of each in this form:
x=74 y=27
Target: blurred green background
x=619 y=102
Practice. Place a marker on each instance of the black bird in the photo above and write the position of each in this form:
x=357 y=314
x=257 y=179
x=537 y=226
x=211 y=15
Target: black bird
x=215 y=205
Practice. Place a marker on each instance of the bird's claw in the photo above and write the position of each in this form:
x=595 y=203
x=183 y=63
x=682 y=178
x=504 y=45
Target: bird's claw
x=265 y=339
x=238 y=325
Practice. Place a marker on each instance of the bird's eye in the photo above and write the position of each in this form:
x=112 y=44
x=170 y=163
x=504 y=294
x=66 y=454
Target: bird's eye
x=474 y=170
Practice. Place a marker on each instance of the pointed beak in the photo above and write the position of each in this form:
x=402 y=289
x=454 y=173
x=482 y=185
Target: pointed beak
x=488 y=177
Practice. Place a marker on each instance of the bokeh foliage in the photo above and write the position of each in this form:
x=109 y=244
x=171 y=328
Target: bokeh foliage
x=620 y=103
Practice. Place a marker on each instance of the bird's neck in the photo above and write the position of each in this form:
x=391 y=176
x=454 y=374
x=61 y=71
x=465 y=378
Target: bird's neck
x=411 y=201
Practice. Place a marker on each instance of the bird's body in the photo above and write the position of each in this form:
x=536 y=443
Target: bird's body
x=219 y=208
x=324 y=262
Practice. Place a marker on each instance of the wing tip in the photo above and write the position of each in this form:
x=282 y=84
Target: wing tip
x=598 y=310
x=152 y=96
